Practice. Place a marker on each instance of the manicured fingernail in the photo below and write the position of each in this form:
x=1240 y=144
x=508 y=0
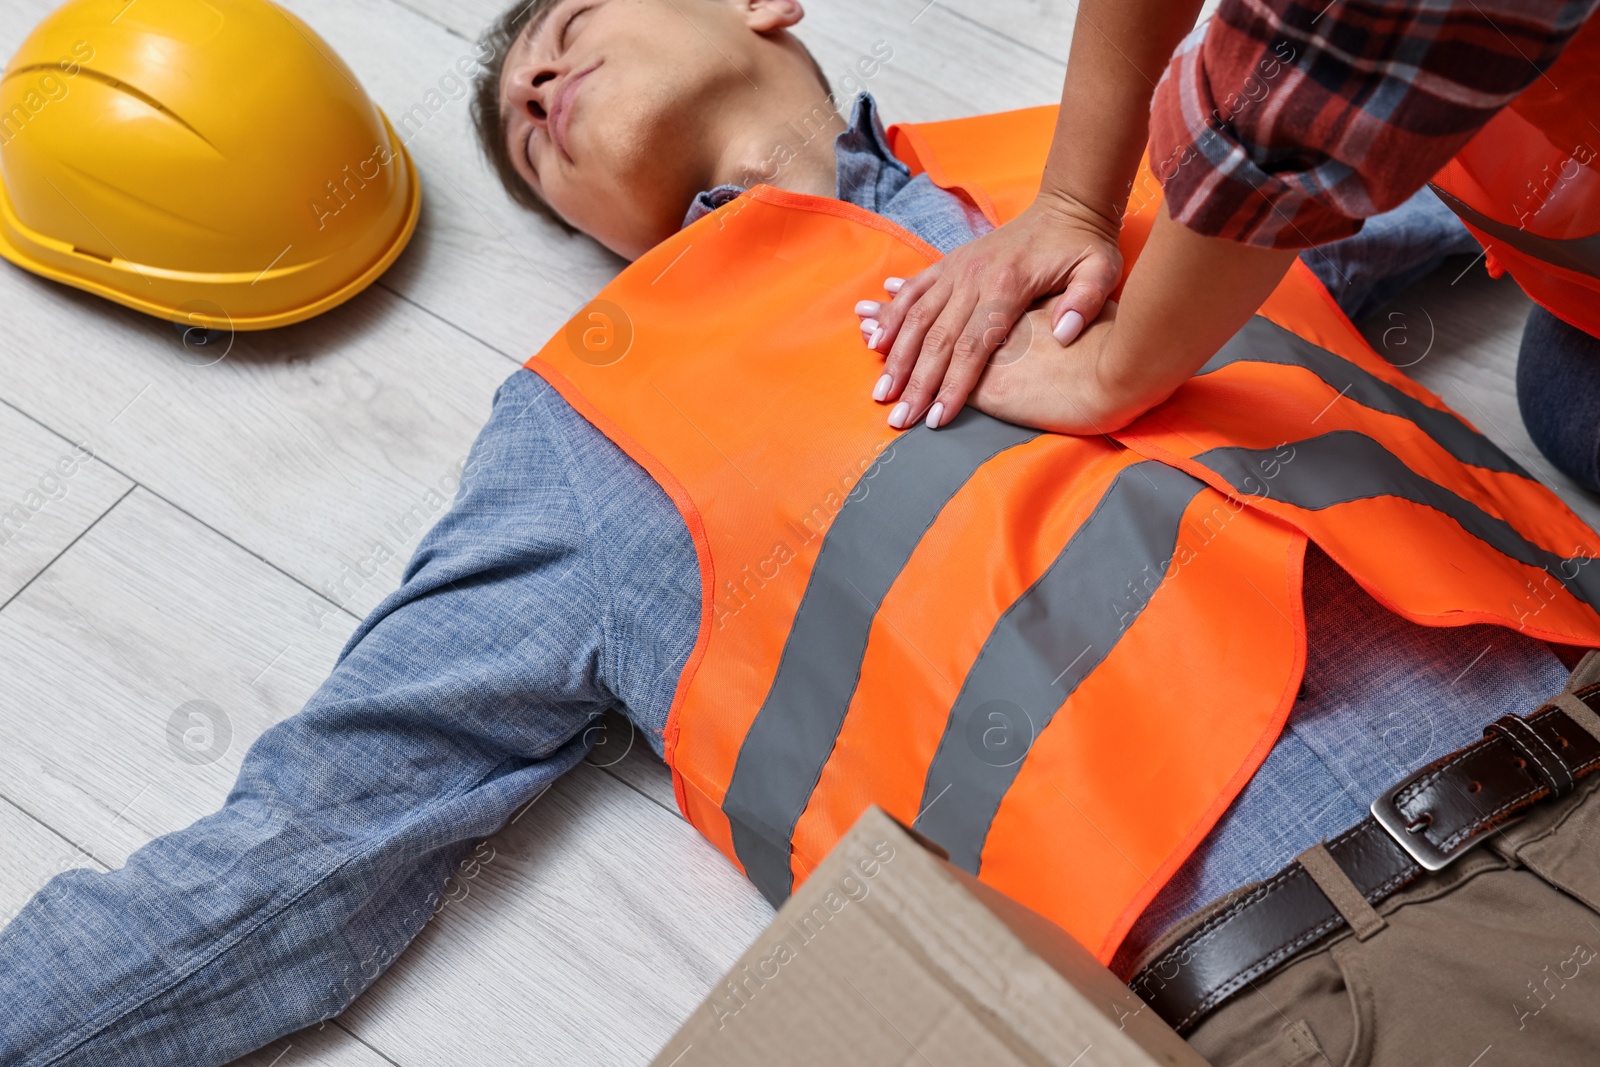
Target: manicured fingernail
x=877 y=335
x=881 y=390
x=935 y=413
x=898 y=417
x=892 y=285
x=869 y=327
x=868 y=307
x=1068 y=328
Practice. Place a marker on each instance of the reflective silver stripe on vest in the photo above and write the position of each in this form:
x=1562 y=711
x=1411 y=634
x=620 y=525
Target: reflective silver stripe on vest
x=1342 y=466
x=1044 y=646
x=1581 y=254
x=1262 y=341
x=862 y=554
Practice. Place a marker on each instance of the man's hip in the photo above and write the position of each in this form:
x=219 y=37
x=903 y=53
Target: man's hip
x=1496 y=954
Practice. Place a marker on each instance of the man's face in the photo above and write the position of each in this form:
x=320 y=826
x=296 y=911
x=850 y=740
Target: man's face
x=607 y=104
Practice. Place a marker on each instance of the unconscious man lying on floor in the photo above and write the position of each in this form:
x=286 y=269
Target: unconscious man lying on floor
x=1117 y=677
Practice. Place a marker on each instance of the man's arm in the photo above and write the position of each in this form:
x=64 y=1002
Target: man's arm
x=461 y=697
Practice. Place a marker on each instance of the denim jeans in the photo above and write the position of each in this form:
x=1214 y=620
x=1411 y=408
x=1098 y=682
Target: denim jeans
x=1558 y=390
x=1391 y=251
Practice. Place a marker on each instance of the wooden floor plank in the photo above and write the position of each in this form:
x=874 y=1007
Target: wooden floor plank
x=51 y=490
x=149 y=619
x=594 y=926
x=623 y=752
x=1044 y=26
x=30 y=855
x=311 y=446
x=325 y=1046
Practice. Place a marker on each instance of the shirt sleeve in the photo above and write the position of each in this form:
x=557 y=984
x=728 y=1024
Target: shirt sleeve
x=467 y=692
x=1285 y=125
x=499 y=625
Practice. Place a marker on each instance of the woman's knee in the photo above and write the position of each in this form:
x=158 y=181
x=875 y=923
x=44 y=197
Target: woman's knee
x=1558 y=390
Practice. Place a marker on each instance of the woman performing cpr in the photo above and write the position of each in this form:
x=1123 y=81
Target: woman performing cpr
x=1278 y=126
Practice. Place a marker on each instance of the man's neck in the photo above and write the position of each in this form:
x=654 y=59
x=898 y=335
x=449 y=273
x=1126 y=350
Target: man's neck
x=787 y=143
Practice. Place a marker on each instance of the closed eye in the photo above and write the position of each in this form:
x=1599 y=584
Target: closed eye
x=566 y=27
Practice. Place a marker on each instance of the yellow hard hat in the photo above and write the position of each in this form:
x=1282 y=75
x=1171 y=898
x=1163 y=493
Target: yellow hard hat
x=212 y=162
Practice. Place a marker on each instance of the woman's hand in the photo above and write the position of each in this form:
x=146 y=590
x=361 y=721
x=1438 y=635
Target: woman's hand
x=1185 y=298
x=1034 y=380
x=941 y=326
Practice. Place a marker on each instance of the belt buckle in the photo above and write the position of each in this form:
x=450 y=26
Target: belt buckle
x=1428 y=856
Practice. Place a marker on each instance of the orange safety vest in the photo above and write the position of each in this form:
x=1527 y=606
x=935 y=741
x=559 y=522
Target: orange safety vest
x=1528 y=185
x=1059 y=657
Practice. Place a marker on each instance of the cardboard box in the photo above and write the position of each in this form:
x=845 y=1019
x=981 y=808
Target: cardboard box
x=888 y=955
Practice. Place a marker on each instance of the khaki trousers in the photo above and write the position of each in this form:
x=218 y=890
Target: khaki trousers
x=1493 y=961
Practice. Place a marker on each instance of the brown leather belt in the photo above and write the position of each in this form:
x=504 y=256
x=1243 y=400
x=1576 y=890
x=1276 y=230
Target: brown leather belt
x=1422 y=824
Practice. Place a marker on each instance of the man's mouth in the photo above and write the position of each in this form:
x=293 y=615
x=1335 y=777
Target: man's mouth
x=561 y=107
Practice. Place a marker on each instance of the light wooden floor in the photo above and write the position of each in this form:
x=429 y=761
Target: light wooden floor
x=195 y=558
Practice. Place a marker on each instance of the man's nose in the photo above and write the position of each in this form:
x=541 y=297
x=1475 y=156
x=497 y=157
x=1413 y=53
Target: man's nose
x=531 y=86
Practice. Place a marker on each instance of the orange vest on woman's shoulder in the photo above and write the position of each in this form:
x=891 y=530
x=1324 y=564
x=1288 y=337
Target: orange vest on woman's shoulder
x=1059 y=657
x=1528 y=185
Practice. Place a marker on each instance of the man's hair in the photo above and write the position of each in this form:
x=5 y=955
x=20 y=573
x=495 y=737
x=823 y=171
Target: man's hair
x=486 y=116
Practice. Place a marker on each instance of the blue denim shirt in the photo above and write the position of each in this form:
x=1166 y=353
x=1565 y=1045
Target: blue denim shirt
x=556 y=528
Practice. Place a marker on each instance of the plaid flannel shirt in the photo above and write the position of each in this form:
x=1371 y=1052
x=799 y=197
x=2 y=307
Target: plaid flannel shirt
x=1285 y=124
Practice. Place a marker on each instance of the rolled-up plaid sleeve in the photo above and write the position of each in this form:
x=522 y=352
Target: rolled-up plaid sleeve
x=1286 y=125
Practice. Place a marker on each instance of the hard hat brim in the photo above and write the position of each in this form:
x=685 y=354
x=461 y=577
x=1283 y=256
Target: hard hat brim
x=186 y=314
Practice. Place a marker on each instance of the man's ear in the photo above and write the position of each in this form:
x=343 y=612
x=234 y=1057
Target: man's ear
x=765 y=16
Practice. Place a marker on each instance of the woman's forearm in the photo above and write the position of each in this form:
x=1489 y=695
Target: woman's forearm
x=1119 y=50
x=939 y=330
x=1185 y=297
